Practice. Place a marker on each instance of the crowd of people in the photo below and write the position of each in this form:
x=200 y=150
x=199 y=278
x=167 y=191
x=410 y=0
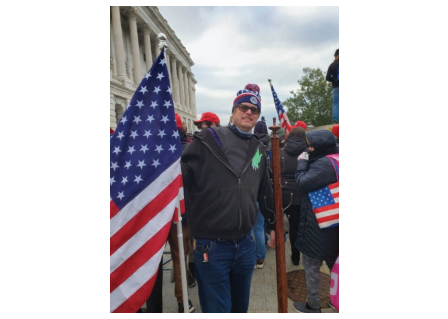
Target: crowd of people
x=227 y=172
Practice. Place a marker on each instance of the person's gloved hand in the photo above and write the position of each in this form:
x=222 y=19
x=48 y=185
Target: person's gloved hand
x=303 y=156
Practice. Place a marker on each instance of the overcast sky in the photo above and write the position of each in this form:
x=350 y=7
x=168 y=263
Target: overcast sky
x=234 y=46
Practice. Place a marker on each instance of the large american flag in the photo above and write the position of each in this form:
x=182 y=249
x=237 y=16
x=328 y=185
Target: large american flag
x=325 y=201
x=283 y=118
x=145 y=188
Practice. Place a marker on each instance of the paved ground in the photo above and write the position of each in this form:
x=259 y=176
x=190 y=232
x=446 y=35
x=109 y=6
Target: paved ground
x=263 y=293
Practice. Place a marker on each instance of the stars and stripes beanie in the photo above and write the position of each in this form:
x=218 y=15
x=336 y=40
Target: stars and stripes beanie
x=251 y=94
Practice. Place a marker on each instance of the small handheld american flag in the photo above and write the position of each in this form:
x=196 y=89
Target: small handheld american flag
x=325 y=201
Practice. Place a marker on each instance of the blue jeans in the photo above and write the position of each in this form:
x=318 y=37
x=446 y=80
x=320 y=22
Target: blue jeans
x=224 y=281
x=260 y=246
x=335 y=94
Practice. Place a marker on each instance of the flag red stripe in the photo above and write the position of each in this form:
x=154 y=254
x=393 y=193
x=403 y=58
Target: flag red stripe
x=335 y=195
x=331 y=186
x=139 y=258
x=328 y=218
x=128 y=230
x=134 y=302
x=325 y=208
x=113 y=209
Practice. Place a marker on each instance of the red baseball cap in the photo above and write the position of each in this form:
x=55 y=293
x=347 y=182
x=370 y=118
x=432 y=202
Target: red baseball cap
x=178 y=121
x=335 y=130
x=299 y=124
x=208 y=116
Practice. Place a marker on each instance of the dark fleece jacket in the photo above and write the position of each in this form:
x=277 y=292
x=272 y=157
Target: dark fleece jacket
x=322 y=244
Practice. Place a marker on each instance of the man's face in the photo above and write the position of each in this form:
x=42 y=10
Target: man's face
x=245 y=120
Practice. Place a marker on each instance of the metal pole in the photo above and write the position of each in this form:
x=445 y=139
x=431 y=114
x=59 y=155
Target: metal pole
x=279 y=232
x=183 y=273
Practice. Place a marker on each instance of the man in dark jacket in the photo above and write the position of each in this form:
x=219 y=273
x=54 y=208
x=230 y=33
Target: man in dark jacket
x=315 y=171
x=225 y=173
x=333 y=77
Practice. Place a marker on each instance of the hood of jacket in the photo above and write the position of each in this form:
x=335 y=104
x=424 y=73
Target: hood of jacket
x=264 y=138
x=321 y=139
x=295 y=145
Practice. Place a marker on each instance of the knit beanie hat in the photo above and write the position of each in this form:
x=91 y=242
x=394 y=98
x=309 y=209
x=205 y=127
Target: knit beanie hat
x=336 y=53
x=251 y=94
x=260 y=128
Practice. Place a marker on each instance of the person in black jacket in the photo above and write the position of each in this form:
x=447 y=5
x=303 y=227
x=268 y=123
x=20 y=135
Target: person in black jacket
x=295 y=144
x=333 y=77
x=225 y=173
x=315 y=171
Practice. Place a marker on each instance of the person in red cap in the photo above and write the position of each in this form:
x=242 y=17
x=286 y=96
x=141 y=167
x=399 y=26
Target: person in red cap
x=335 y=130
x=299 y=124
x=208 y=119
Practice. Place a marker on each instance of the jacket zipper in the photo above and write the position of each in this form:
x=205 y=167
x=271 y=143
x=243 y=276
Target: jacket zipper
x=239 y=181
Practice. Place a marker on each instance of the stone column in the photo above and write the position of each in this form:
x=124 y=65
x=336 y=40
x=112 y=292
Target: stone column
x=118 y=41
x=175 y=81
x=181 y=84
x=132 y=14
x=147 y=40
x=194 y=99
x=187 y=96
x=167 y=60
x=113 y=116
x=190 y=91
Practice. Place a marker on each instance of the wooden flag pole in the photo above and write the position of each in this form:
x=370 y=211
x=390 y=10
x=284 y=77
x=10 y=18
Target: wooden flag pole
x=279 y=231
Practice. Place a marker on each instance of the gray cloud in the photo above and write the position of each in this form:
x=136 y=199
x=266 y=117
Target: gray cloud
x=233 y=46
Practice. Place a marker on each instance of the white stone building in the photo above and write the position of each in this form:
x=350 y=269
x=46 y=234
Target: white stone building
x=133 y=49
